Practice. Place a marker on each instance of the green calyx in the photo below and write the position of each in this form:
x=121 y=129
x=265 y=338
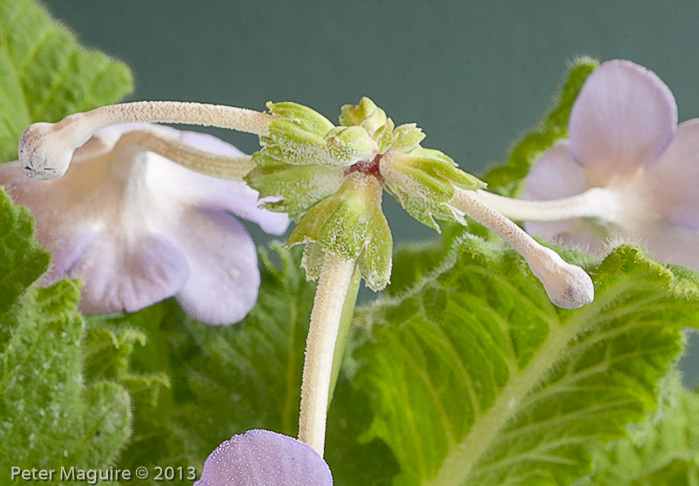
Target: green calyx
x=423 y=181
x=349 y=225
x=305 y=160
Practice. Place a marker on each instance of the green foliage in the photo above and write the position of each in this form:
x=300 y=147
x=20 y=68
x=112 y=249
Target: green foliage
x=508 y=179
x=49 y=415
x=22 y=260
x=45 y=74
x=663 y=451
x=500 y=386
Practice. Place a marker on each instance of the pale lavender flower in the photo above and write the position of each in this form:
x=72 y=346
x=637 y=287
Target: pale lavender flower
x=138 y=228
x=264 y=458
x=627 y=169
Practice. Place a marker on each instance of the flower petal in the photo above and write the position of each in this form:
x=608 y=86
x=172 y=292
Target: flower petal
x=65 y=251
x=120 y=275
x=202 y=190
x=673 y=181
x=555 y=175
x=623 y=118
x=224 y=278
x=264 y=458
x=218 y=194
x=672 y=244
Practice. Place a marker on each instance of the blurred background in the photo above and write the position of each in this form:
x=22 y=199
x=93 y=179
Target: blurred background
x=474 y=75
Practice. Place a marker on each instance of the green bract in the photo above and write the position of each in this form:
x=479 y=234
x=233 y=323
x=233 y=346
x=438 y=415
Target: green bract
x=349 y=225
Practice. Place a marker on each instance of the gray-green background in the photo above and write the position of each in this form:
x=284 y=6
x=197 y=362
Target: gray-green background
x=473 y=74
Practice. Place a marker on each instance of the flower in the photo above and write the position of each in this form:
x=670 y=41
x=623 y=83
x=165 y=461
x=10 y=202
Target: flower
x=627 y=168
x=138 y=228
x=264 y=458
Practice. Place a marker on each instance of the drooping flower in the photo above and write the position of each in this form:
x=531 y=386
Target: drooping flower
x=264 y=458
x=627 y=174
x=139 y=228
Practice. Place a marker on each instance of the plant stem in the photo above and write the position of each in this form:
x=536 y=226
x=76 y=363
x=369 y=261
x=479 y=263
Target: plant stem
x=228 y=167
x=343 y=332
x=331 y=295
x=567 y=285
x=596 y=202
x=46 y=149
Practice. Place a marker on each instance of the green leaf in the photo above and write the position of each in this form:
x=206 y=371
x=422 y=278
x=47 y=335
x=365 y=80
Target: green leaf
x=45 y=74
x=22 y=260
x=508 y=179
x=662 y=452
x=476 y=378
x=49 y=416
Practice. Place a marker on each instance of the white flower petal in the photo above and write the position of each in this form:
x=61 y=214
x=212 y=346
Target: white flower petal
x=623 y=118
x=224 y=278
x=127 y=276
x=673 y=181
x=217 y=194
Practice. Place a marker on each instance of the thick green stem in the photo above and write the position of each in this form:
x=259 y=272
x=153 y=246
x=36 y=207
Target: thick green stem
x=331 y=295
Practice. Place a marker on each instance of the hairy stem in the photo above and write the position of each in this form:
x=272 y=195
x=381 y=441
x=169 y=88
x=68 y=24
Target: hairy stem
x=333 y=286
x=228 y=167
x=343 y=332
x=46 y=149
x=567 y=285
x=593 y=203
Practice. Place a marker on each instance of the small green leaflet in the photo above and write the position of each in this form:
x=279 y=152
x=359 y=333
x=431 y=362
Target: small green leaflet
x=662 y=452
x=476 y=378
x=508 y=179
x=49 y=416
x=45 y=74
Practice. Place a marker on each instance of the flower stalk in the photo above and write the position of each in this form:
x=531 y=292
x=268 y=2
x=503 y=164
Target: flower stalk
x=567 y=285
x=333 y=285
x=46 y=149
x=595 y=202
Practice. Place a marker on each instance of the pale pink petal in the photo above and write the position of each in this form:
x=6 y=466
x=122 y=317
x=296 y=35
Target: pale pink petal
x=623 y=118
x=672 y=244
x=673 y=182
x=264 y=458
x=555 y=175
x=127 y=276
x=224 y=278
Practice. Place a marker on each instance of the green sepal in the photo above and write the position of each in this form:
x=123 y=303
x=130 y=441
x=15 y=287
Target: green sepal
x=306 y=117
x=349 y=225
x=350 y=144
x=423 y=182
x=366 y=114
x=407 y=138
x=297 y=187
x=384 y=136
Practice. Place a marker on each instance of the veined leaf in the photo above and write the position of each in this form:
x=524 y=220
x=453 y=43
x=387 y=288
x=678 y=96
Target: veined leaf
x=661 y=452
x=45 y=75
x=476 y=378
